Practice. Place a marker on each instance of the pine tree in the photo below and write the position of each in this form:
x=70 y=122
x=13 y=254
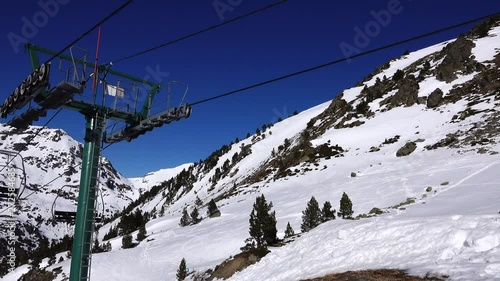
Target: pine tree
x=327 y=213
x=213 y=211
x=182 y=271
x=345 y=206
x=97 y=248
x=52 y=260
x=198 y=201
x=185 y=219
x=263 y=223
x=127 y=241
x=107 y=247
x=162 y=211
x=398 y=75
x=142 y=233
x=112 y=233
x=311 y=216
x=195 y=216
x=289 y=231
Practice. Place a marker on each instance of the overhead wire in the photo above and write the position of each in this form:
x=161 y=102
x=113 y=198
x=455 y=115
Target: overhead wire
x=337 y=61
x=105 y=19
x=109 y=16
x=200 y=31
x=301 y=71
x=348 y=58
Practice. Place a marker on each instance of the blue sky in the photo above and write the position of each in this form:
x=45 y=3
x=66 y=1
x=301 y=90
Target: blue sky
x=284 y=39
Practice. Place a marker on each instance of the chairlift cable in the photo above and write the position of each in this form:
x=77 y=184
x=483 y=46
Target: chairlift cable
x=105 y=19
x=342 y=59
x=201 y=31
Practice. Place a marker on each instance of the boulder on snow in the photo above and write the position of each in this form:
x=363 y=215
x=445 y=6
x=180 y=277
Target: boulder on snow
x=407 y=149
x=435 y=98
x=215 y=214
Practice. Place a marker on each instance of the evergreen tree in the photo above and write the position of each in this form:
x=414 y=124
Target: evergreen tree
x=213 y=211
x=398 y=75
x=198 y=201
x=327 y=213
x=97 y=248
x=289 y=231
x=263 y=222
x=107 y=247
x=52 y=260
x=182 y=271
x=127 y=241
x=311 y=216
x=112 y=233
x=195 y=216
x=162 y=211
x=345 y=206
x=142 y=233
x=61 y=259
x=185 y=219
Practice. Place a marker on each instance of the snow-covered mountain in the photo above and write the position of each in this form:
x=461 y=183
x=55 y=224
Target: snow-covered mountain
x=415 y=145
x=52 y=165
x=155 y=178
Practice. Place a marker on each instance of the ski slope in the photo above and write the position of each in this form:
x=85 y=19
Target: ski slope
x=451 y=229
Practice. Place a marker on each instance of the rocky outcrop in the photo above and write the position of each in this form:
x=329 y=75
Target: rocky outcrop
x=435 y=98
x=407 y=95
x=457 y=57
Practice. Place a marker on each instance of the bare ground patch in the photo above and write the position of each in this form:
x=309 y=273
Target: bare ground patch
x=374 y=275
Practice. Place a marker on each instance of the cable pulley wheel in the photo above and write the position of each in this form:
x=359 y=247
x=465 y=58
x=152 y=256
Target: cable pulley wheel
x=22 y=89
x=42 y=72
x=28 y=83
x=16 y=94
x=34 y=78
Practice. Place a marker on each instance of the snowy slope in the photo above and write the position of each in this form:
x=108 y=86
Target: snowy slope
x=154 y=178
x=449 y=229
x=52 y=164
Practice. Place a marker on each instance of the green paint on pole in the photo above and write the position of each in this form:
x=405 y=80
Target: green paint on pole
x=82 y=243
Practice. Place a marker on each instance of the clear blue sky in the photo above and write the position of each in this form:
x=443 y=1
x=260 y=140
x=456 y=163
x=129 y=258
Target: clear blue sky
x=284 y=39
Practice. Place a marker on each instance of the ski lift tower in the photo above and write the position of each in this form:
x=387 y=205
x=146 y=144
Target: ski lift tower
x=36 y=92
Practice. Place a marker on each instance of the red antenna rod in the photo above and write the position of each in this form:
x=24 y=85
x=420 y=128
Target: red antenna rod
x=94 y=82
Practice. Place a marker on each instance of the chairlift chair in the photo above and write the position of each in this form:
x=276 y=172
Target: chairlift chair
x=11 y=191
x=6 y=193
x=60 y=215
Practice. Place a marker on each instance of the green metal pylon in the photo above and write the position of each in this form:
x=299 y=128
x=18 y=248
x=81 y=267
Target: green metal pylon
x=82 y=243
x=137 y=123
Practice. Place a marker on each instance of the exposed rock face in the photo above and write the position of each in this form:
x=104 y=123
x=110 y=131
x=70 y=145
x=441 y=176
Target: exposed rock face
x=435 y=98
x=457 y=57
x=407 y=94
x=337 y=109
x=407 y=149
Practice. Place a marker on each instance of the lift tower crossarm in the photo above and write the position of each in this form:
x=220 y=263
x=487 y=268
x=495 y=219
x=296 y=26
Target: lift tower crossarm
x=81 y=106
x=30 y=47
